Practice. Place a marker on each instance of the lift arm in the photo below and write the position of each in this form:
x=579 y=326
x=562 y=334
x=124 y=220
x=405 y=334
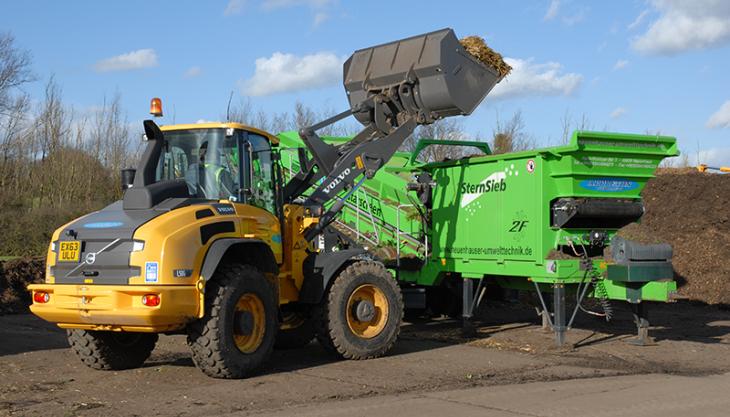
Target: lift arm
x=392 y=88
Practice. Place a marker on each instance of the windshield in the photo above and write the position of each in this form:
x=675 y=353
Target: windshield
x=206 y=159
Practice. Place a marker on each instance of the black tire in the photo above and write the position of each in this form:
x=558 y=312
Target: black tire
x=212 y=339
x=337 y=334
x=111 y=350
x=295 y=331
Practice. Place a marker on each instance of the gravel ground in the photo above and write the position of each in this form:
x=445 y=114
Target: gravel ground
x=40 y=376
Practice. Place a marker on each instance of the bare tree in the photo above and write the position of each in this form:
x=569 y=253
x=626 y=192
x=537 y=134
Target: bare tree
x=110 y=135
x=566 y=122
x=510 y=136
x=303 y=116
x=568 y=126
x=14 y=70
x=241 y=112
x=445 y=129
x=11 y=134
x=14 y=105
x=275 y=122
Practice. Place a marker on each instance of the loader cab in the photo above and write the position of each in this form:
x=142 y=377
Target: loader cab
x=220 y=161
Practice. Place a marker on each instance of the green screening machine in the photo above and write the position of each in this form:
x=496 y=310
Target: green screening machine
x=544 y=220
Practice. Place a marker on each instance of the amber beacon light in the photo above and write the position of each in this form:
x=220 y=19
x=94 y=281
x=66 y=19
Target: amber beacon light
x=156 y=107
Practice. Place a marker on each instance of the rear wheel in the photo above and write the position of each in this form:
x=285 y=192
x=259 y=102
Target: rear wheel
x=111 y=350
x=236 y=334
x=361 y=314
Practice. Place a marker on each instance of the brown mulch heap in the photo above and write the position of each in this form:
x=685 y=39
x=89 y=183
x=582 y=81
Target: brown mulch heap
x=15 y=276
x=691 y=211
x=476 y=46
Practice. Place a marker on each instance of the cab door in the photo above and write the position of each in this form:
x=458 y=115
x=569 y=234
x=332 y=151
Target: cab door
x=258 y=173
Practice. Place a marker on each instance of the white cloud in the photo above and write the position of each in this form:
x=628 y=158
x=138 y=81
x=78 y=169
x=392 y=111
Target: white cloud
x=280 y=4
x=234 y=7
x=618 y=112
x=640 y=18
x=530 y=79
x=320 y=18
x=715 y=157
x=287 y=72
x=575 y=18
x=552 y=10
x=192 y=72
x=620 y=64
x=200 y=121
x=685 y=25
x=721 y=118
x=142 y=58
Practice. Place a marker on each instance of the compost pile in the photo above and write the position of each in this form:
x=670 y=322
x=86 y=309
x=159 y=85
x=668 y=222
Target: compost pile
x=690 y=210
x=15 y=275
x=476 y=47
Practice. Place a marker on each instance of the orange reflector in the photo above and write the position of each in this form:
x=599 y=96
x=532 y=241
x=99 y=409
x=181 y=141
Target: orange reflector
x=156 y=107
x=359 y=163
x=151 y=300
x=41 y=297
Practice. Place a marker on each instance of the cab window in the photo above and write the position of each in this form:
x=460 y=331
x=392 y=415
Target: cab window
x=206 y=158
x=260 y=176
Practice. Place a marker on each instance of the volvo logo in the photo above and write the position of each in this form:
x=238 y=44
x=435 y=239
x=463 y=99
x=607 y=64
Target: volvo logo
x=90 y=258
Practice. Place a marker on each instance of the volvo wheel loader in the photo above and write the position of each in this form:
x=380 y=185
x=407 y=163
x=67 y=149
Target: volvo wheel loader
x=209 y=241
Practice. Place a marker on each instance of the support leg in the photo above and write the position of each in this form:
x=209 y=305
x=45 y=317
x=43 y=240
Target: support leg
x=545 y=315
x=547 y=324
x=641 y=319
x=466 y=309
x=559 y=313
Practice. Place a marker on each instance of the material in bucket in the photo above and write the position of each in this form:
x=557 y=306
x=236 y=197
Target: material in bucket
x=478 y=48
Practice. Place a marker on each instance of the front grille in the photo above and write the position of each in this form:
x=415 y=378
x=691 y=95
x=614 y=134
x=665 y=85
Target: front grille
x=109 y=266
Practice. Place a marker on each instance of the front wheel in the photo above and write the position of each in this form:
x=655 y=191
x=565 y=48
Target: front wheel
x=361 y=314
x=111 y=350
x=236 y=334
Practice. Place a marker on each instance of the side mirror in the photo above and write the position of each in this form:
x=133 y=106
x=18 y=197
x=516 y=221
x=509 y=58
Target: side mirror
x=127 y=178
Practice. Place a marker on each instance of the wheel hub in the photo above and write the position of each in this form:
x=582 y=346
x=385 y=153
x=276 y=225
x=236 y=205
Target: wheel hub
x=367 y=311
x=249 y=323
x=244 y=323
x=364 y=310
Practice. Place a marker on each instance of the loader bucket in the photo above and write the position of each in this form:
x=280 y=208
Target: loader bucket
x=447 y=80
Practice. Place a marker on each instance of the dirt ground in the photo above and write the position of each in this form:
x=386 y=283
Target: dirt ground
x=40 y=376
x=15 y=275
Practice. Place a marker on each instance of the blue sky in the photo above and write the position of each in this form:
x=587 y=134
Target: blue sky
x=630 y=65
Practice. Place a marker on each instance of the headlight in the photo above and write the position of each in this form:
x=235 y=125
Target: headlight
x=137 y=246
x=53 y=246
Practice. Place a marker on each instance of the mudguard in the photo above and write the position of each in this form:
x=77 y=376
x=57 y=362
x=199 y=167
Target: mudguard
x=220 y=247
x=320 y=268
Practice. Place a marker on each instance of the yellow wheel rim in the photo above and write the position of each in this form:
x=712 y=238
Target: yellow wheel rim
x=367 y=311
x=249 y=323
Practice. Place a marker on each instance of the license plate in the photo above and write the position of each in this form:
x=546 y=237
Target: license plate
x=69 y=251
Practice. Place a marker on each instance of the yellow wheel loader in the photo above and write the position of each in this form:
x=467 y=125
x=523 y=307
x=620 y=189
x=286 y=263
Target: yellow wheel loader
x=209 y=241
